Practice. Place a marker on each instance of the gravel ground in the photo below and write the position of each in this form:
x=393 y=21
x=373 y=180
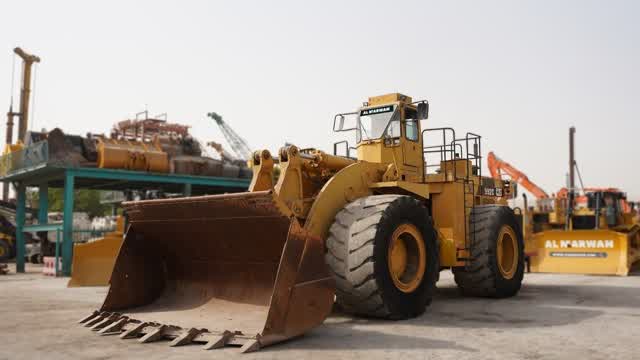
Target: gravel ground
x=553 y=317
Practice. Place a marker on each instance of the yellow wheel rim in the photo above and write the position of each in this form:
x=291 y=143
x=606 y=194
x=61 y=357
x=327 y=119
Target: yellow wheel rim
x=507 y=252
x=407 y=258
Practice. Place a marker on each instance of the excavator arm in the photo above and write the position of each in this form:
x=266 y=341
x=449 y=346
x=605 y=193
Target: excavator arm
x=497 y=166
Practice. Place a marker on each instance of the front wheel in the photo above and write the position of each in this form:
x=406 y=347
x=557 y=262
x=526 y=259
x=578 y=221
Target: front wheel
x=496 y=261
x=383 y=253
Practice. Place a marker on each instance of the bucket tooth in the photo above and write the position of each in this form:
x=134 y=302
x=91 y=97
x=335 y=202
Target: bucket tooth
x=97 y=319
x=218 y=341
x=105 y=322
x=186 y=337
x=134 y=331
x=250 y=346
x=89 y=317
x=154 y=335
x=115 y=327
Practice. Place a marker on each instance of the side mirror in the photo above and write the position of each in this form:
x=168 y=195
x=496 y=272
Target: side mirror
x=423 y=111
x=340 y=119
x=345 y=122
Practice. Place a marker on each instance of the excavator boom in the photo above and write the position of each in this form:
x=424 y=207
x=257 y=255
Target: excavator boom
x=497 y=166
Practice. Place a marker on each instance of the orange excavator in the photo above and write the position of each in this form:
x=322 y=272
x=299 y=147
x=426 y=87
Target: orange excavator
x=497 y=166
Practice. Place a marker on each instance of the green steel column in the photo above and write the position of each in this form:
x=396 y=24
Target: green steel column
x=43 y=211
x=43 y=203
x=187 y=190
x=67 y=224
x=21 y=191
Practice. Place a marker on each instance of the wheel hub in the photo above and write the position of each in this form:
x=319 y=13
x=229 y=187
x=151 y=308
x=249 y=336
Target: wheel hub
x=507 y=252
x=407 y=258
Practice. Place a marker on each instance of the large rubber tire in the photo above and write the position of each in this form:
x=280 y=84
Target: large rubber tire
x=5 y=251
x=482 y=275
x=357 y=254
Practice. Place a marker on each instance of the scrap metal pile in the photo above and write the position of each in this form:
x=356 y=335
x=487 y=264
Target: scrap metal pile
x=152 y=145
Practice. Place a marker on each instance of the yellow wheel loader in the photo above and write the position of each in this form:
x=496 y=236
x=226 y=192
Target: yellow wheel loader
x=369 y=233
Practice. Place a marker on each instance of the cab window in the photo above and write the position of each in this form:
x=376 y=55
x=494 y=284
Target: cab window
x=411 y=124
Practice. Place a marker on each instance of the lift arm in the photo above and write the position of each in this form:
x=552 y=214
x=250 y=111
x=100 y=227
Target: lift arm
x=497 y=166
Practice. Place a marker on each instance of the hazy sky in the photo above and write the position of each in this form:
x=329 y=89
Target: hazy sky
x=517 y=72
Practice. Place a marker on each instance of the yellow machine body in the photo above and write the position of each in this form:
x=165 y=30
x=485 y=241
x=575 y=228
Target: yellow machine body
x=9 y=148
x=131 y=155
x=249 y=269
x=93 y=261
x=584 y=242
x=11 y=161
x=7 y=253
x=598 y=252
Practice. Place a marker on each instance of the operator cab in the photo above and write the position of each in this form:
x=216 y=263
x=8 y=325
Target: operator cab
x=388 y=131
x=599 y=208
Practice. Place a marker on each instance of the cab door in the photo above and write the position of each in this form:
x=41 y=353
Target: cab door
x=412 y=151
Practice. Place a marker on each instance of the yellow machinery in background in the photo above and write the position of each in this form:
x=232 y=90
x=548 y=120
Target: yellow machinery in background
x=93 y=261
x=7 y=246
x=601 y=238
x=592 y=231
x=372 y=233
x=131 y=155
x=598 y=252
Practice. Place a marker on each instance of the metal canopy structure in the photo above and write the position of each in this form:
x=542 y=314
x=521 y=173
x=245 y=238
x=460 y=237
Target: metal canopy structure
x=24 y=170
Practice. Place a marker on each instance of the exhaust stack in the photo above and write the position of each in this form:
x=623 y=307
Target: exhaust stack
x=572 y=178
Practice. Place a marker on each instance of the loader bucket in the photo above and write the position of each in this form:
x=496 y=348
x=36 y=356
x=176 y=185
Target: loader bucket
x=93 y=261
x=222 y=270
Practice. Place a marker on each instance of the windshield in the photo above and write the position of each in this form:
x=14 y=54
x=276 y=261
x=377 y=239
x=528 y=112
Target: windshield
x=373 y=123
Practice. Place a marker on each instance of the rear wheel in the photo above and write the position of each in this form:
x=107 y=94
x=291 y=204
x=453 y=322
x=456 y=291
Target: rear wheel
x=5 y=250
x=496 y=264
x=382 y=251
